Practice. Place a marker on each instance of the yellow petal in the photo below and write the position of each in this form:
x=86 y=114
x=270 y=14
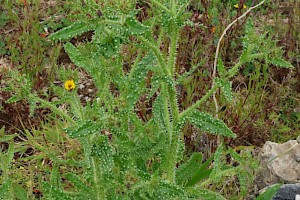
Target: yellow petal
x=69 y=85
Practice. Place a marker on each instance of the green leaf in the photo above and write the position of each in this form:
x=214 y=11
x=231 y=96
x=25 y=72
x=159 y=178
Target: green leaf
x=54 y=192
x=4 y=188
x=55 y=175
x=204 y=194
x=4 y=137
x=75 y=29
x=20 y=192
x=217 y=162
x=279 y=62
x=10 y=152
x=201 y=173
x=242 y=175
x=221 y=68
x=137 y=77
x=83 y=129
x=269 y=193
x=77 y=57
x=207 y=123
x=102 y=150
x=187 y=170
x=169 y=190
x=159 y=113
x=225 y=86
x=4 y=18
x=15 y=98
x=199 y=176
x=79 y=184
x=134 y=27
x=235 y=155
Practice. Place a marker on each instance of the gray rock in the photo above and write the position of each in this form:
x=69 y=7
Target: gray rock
x=284 y=168
x=287 y=192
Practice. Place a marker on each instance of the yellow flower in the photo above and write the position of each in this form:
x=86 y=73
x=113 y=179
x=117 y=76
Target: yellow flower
x=237 y=6
x=69 y=84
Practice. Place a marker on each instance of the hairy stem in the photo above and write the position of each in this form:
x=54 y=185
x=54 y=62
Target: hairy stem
x=172 y=152
x=166 y=113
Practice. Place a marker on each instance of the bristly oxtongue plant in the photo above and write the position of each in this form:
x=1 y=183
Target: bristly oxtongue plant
x=125 y=157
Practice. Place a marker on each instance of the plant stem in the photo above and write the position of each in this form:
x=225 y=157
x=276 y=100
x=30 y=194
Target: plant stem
x=166 y=113
x=173 y=49
x=173 y=149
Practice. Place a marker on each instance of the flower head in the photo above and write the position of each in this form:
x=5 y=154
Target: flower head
x=69 y=84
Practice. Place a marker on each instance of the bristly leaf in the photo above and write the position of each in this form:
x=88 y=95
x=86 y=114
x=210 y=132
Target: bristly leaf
x=187 y=170
x=79 y=184
x=225 y=86
x=158 y=112
x=207 y=123
x=205 y=194
x=156 y=189
x=217 y=161
x=169 y=190
x=102 y=150
x=4 y=188
x=83 y=129
x=19 y=192
x=54 y=192
x=243 y=182
x=4 y=137
x=15 y=98
x=134 y=27
x=279 y=62
x=78 y=58
x=137 y=78
x=75 y=29
x=55 y=175
x=235 y=155
x=221 y=68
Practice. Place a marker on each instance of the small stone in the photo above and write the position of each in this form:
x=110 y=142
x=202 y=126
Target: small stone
x=54 y=99
x=81 y=86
